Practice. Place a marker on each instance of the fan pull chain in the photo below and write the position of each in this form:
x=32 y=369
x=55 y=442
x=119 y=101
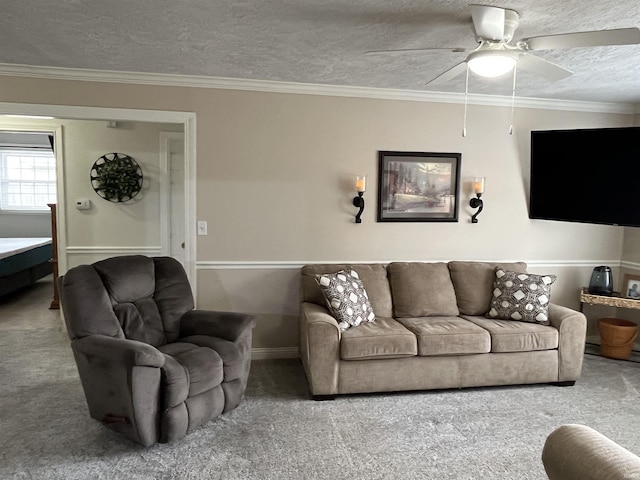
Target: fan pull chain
x=466 y=95
x=513 y=99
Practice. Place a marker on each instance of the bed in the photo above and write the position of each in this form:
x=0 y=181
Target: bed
x=23 y=261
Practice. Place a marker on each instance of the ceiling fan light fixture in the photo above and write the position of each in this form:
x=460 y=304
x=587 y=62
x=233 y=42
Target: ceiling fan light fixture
x=491 y=63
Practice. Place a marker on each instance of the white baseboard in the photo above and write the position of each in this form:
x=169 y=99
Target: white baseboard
x=274 y=353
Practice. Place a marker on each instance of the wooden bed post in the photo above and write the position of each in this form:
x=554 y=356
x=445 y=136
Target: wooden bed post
x=55 y=303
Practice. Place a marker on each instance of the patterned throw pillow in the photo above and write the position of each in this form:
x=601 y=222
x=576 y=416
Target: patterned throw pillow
x=346 y=298
x=521 y=296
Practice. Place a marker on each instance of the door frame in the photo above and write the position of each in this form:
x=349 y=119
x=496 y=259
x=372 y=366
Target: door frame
x=166 y=209
x=187 y=119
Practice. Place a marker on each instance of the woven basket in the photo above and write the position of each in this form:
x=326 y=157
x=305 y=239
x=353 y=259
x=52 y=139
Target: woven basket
x=616 y=337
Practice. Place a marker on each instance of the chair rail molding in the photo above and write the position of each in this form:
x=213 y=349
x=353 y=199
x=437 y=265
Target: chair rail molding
x=291 y=265
x=630 y=265
x=155 y=250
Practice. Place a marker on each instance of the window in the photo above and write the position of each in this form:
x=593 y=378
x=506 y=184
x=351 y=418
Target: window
x=27 y=179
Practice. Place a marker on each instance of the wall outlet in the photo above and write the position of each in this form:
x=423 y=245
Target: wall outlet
x=202 y=227
x=83 y=204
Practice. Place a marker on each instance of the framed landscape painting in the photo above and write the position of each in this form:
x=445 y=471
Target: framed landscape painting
x=418 y=186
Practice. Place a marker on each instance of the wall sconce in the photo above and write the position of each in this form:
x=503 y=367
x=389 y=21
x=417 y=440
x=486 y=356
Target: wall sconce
x=478 y=188
x=361 y=186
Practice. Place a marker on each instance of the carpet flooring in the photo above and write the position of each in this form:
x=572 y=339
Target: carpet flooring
x=279 y=433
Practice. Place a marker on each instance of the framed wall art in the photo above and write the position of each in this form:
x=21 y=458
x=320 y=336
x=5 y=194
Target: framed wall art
x=116 y=177
x=418 y=186
x=631 y=287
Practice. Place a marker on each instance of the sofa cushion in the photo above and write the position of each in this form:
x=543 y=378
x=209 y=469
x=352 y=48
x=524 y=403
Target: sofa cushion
x=421 y=290
x=521 y=296
x=473 y=283
x=510 y=336
x=384 y=338
x=447 y=336
x=346 y=298
x=373 y=277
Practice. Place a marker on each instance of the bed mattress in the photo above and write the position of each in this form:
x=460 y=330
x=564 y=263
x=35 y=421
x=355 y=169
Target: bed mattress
x=17 y=254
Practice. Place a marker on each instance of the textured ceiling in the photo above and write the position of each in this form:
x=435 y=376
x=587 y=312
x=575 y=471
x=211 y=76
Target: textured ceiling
x=316 y=41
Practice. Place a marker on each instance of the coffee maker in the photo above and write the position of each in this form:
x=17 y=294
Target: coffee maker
x=601 y=281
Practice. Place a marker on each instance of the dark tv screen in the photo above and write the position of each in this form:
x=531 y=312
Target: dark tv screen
x=586 y=175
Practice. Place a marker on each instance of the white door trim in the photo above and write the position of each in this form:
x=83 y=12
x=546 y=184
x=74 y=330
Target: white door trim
x=188 y=119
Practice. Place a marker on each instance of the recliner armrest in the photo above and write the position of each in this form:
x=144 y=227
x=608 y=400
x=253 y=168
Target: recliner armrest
x=120 y=350
x=227 y=325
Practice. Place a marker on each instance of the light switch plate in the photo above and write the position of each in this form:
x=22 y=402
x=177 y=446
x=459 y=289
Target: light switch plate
x=202 y=227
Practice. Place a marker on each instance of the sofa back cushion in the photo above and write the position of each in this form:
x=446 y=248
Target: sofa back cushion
x=473 y=283
x=373 y=277
x=421 y=289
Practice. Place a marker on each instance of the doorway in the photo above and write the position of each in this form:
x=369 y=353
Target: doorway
x=185 y=119
x=172 y=211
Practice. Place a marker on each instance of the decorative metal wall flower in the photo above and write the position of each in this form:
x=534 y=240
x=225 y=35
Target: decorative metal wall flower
x=116 y=177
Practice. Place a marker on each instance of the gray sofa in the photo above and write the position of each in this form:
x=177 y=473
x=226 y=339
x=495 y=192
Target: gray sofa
x=578 y=452
x=431 y=332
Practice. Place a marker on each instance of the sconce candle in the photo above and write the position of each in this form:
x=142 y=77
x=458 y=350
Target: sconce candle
x=361 y=186
x=478 y=188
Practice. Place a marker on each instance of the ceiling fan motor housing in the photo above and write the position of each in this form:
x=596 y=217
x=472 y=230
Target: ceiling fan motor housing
x=511 y=22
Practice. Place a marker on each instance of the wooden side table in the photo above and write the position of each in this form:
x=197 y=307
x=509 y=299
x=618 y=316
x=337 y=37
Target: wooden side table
x=614 y=300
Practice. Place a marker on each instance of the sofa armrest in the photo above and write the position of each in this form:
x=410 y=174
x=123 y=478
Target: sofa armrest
x=577 y=452
x=320 y=348
x=227 y=325
x=572 y=333
x=119 y=350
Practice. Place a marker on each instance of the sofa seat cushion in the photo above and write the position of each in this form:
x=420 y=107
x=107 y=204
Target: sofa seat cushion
x=512 y=336
x=384 y=338
x=447 y=336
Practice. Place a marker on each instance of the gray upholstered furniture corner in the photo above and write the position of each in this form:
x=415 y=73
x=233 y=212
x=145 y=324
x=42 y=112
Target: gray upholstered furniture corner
x=431 y=332
x=578 y=452
x=152 y=367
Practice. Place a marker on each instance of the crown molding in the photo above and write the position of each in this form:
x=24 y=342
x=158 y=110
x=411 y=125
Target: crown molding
x=175 y=80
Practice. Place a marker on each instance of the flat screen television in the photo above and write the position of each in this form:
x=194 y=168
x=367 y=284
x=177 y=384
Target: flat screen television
x=586 y=175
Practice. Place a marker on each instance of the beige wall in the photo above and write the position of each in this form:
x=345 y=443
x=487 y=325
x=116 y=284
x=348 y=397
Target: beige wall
x=275 y=182
x=27 y=225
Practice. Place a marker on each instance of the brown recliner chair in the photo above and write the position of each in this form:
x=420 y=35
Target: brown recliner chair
x=151 y=366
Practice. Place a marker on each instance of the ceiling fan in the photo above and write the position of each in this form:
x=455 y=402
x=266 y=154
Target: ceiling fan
x=497 y=53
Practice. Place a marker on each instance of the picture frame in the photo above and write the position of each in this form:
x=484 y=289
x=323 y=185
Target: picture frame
x=631 y=287
x=418 y=186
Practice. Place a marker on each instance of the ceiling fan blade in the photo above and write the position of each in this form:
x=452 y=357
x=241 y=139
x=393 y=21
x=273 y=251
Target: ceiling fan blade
x=488 y=22
x=596 y=38
x=449 y=74
x=435 y=49
x=542 y=67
